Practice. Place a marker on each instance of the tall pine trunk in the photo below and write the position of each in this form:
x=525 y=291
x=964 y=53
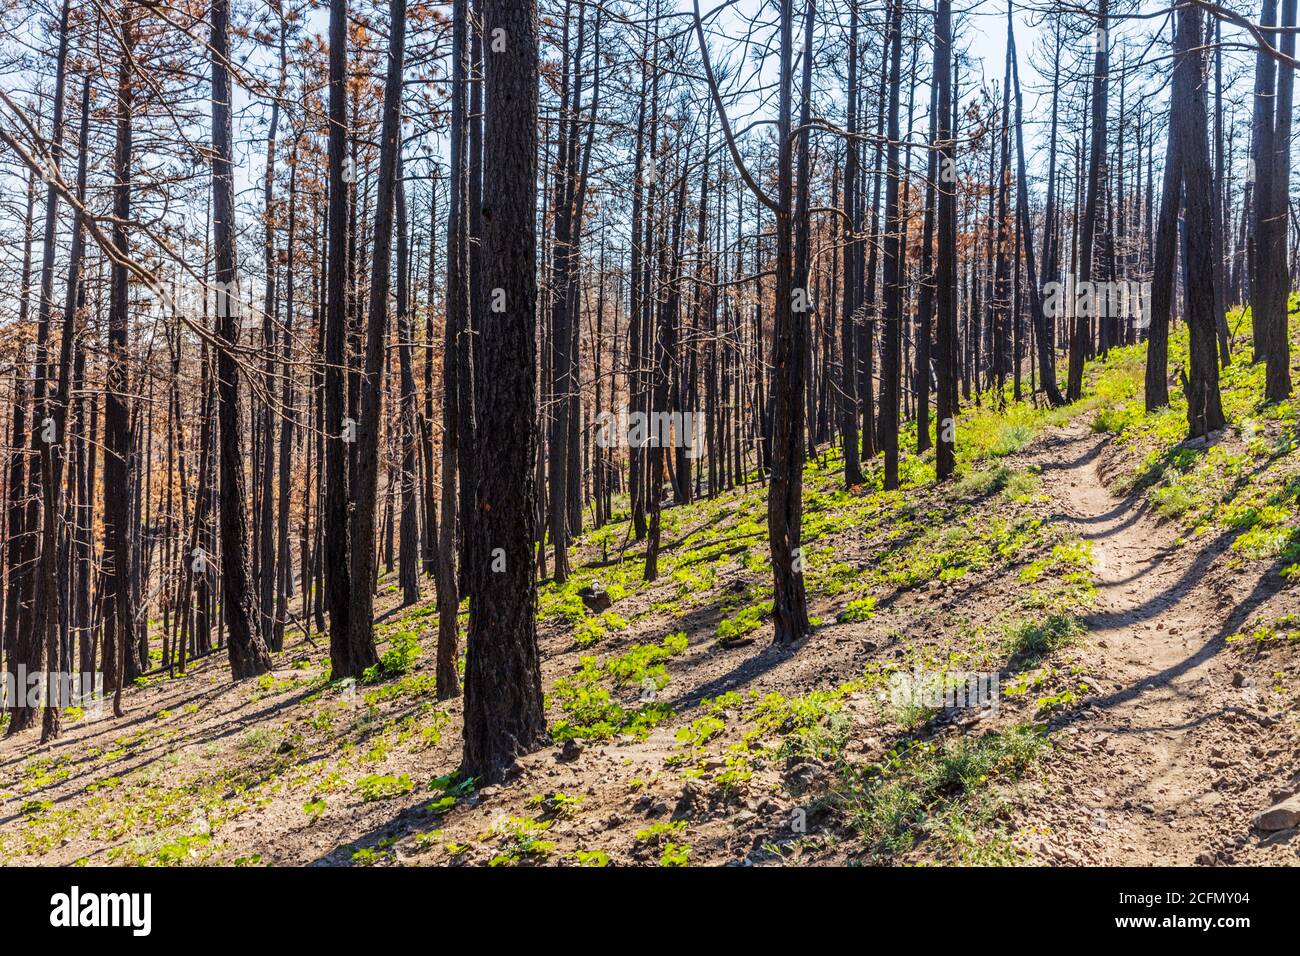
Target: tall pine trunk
x=945 y=276
x=1188 y=134
x=790 y=322
x=119 y=619
x=503 y=684
x=334 y=513
x=245 y=645
x=366 y=492
x=891 y=346
x=1081 y=332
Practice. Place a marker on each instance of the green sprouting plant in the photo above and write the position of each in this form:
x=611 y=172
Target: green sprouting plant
x=408 y=685
x=369 y=856
x=1174 y=500
x=592 y=713
x=645 y=660
x=314 y=808
x=431 y=732
x=747 y=619
x=558 y=804
x=959 y=547
x=700 y=731
x=270 y=684
x=453 y=788
x=590 y=630
x=592 y=858
x=179 y=850
x=32 y=808
x=521 y=841
x=737 y=769
x=675 y=854
x=695 y=578
x=1030 y=640
x=1070 y=563
x=1116 y=419
x=862 y=609
x=811 y=725
x=401 y=655
x=427 y=839
x=1054 y=702
x=657 y=832
x=1284 y=628
x=718 y=706
x=1263 y=543
x=383 y=787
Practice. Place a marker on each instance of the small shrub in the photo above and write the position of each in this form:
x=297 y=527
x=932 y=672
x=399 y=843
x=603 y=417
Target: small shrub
x=521 y=841
x=1030 y=640
x=401 y=655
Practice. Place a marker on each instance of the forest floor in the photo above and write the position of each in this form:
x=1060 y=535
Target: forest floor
x=1125 y=596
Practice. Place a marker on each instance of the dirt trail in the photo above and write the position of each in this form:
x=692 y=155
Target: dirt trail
x=1159 y=762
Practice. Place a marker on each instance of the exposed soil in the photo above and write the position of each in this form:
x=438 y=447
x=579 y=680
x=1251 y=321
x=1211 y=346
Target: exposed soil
x=1184 y=743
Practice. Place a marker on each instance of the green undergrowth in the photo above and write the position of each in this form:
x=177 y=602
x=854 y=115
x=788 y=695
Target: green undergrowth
x=948 y=794
x=587 y=698
x=922 y=531
x=1281 y=630
x=947 y=799
x=860 y=547
x=1244 y=482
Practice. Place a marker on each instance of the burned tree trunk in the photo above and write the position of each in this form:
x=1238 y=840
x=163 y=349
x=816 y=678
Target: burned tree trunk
x=503 y=684
x=850 y=317
x=408 y=557
x=1042 y=338
x=790 y=321
x=119 y=618
x=334 y=513
x=1081 y=333
x=891 y=358
x=1188 y=134
x=945 y=277
x=247 y=650
x=361 y=637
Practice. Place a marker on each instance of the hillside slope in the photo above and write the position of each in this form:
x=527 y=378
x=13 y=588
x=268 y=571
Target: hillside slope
x=1127 y=593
